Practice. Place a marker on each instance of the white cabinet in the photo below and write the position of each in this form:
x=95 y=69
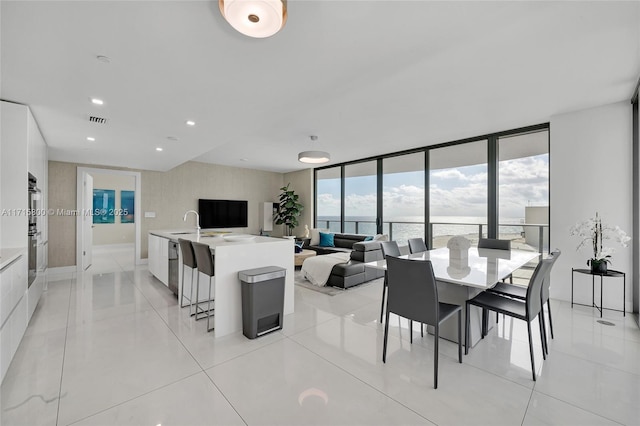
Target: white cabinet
x=23 y=151
x=14 y=175
x=34 y=293
x=159 y=258
x=13 y=312
x=13 y=285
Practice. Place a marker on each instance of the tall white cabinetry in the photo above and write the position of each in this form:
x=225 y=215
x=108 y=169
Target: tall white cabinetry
x=22 y=151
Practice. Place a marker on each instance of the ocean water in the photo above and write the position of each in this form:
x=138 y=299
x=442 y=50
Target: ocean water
x=403 y=228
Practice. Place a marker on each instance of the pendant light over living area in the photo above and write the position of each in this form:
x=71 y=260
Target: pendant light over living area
x=255 y=18
x=314 y=157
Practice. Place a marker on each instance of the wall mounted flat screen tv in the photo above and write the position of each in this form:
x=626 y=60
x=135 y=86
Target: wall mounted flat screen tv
x=222 y=213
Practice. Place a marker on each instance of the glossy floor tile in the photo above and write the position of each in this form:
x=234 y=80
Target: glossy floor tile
x=110 y=346
x=284 y=383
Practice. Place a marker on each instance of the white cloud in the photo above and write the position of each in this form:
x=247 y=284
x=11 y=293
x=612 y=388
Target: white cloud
x=449 y=174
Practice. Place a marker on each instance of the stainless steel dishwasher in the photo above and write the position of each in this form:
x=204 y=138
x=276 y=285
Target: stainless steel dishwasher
x=173 y=267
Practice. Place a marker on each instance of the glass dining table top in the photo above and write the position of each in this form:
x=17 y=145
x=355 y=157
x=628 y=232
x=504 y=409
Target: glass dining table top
x=480 y=268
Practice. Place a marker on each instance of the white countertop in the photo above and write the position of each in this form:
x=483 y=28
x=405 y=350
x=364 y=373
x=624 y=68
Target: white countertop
x=8 y=255
x=218 y=240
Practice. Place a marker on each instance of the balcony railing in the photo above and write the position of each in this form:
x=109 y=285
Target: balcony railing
x=530 y=236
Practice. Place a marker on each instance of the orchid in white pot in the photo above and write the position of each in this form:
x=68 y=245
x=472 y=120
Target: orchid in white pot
x=593 y=233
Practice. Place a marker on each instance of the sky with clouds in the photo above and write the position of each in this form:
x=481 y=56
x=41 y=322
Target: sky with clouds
x=458 y=191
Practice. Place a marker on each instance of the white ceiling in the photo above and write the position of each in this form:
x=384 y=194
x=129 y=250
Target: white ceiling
x=367 y=77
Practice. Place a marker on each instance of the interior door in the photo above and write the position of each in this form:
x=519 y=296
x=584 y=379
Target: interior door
x=87 y=221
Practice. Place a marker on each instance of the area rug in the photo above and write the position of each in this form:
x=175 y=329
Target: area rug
x=302 y=282
x=328 y=290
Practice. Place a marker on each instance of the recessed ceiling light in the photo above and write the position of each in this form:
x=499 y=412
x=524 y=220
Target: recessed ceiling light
x=97 y=101
x=158 y=149
x=91 y=139
x=190 y=123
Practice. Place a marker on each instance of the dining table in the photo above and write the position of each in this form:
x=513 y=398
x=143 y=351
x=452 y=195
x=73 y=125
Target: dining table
x=461 y=275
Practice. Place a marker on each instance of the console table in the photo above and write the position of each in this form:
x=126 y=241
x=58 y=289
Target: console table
x=609 y=273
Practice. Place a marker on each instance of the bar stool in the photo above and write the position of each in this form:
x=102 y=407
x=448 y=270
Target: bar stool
x=188 y=259
x=204 y=260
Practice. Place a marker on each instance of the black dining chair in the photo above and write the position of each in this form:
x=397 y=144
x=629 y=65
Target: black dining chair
x=492 y=243
x=389 y=248
x=413 y=294
x=525 y=310
x=189 y=260
x=519 y=292
x=204 y=260
x=416 y=245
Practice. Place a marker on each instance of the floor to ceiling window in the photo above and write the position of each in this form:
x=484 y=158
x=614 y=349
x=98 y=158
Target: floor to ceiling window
x=328 y=199
x=360 y=198
x=494 y=186
x=523 y=190
x=458 y=192
x=403 y=197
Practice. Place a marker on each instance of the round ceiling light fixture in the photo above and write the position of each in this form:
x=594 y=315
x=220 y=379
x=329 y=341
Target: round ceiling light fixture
x=314 y=157
x=255 y=18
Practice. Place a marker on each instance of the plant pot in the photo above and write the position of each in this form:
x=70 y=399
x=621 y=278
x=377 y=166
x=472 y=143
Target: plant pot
x=598 y=266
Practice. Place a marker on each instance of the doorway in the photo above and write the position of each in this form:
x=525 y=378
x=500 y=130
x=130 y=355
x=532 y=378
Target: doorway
x=105 y=199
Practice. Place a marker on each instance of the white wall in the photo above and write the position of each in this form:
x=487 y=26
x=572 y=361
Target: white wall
x=590 y=171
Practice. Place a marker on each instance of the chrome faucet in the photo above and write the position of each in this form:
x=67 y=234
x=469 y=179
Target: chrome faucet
x=197 y=219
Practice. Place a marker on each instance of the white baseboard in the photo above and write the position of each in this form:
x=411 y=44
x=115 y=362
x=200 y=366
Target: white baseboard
x=61 y=270
x=115 y=246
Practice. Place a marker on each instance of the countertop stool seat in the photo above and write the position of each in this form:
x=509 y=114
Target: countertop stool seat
x=204 y=261
x=188 y=260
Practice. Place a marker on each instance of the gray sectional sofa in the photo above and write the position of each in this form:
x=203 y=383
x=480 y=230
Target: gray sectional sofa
x=353 y=272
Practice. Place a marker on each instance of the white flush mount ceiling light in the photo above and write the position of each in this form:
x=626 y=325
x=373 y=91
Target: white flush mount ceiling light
x=91 y=139
x=190 y=123
x=255 y=18
x=314 y=157
x=97 y=101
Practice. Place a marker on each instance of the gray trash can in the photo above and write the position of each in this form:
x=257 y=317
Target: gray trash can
x=262 y=300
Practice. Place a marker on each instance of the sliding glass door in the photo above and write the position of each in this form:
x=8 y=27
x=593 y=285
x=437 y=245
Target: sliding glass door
x=458 y=192
x=403 y=193
x=329 y=199
x=523 y=190
x=360 y=198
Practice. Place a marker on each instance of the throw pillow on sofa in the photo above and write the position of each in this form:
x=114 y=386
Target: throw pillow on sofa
x=381 y=237
x=326 y=240
x=315 y=236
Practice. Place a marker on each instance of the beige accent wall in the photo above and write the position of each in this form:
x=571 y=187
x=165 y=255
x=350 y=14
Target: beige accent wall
x=302 y=183
x=62 y=228
x=169 y=194
x=117 y=232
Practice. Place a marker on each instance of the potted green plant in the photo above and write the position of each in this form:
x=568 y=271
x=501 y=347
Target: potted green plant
x=289 y=209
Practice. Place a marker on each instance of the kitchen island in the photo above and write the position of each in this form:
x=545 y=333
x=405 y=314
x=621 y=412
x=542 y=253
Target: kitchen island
x=230 y=257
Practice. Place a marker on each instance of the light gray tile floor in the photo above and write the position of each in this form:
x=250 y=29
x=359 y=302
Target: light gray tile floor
x=111 y=346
